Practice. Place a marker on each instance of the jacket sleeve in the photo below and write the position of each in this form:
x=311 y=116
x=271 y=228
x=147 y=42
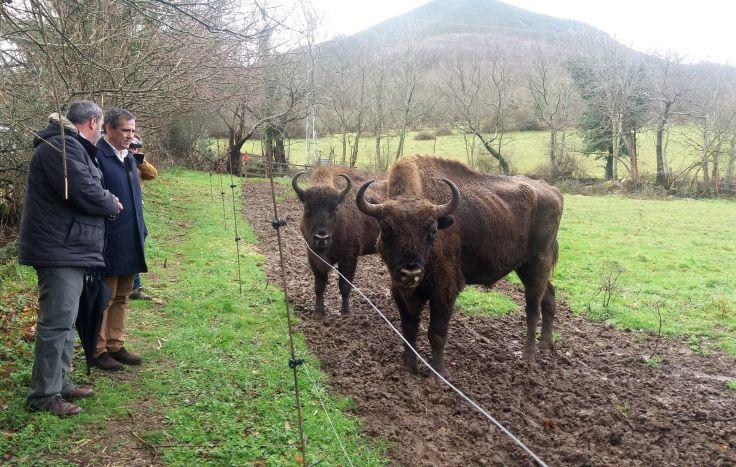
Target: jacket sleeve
x=148 y=171
x=86 y=193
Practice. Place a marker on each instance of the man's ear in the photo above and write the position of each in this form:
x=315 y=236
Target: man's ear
x=444 y=222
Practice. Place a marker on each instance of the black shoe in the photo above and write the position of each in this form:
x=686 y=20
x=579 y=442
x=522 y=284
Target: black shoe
x=123 y=356
x=139 y=294
x=105 y=362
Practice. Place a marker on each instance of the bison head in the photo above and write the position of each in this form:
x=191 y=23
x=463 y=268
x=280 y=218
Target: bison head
x=320 y=211
x=408 y=229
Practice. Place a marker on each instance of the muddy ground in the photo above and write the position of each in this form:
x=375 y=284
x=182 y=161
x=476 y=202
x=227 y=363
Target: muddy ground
x=594 y=402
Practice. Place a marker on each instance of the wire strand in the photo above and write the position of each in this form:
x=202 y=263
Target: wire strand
x=437 y=374
x=324 y=408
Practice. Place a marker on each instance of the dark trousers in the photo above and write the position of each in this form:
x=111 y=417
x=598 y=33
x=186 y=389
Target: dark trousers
x=59 y=290
x=137 y=281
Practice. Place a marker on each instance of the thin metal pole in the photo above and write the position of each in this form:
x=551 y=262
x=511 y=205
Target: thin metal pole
x=237 y=237
x=293 y=363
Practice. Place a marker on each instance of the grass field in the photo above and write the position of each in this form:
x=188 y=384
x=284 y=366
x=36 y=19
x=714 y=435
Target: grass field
x=216 y=389
x=676 y=258
x=525 y=150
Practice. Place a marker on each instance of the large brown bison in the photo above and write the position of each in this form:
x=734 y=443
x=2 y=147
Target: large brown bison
x=335 y=229
x=491 y=226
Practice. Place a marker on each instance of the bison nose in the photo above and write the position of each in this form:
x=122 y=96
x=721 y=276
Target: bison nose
x=410 y=275
x=321 y=238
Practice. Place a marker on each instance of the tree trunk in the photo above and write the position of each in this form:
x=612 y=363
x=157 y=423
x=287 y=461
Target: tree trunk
x=356 y=147
x=499 y=157
x=731 y=162
x=400 y=149
x=609 y=164
x=344 y=145
x=661 y=179
x=553 y=172
x=234 y=160
x=630 y=142
x=378 y=144
x=615 y=144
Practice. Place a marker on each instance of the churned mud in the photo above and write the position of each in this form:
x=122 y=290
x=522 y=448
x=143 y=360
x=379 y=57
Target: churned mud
x=594 y=402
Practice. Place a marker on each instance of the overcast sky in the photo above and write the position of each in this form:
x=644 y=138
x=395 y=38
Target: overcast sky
x=700 y=30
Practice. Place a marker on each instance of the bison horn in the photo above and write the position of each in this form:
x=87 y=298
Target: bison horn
x=345 y=190
x=449 y=208
x=295 y=184
x=371 y=209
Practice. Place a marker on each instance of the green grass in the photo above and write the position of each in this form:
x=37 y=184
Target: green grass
x=525 y=150
x=475 y=302
x=216 y=388
x=675 y=256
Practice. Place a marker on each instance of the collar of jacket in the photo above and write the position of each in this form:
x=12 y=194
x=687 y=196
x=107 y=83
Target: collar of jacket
x=62 y=121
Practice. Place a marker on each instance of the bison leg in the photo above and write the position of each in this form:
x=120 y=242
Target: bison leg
x=410 y=311
x=320 y=283
x=439 y=320
x=347 y=269
x=548 y=315
x=535 y=276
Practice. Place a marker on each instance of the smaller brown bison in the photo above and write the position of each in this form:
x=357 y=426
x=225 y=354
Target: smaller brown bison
x=335 y=229
x=488 y=228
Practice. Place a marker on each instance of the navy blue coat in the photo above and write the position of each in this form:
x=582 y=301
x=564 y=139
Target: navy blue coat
x=126 y=232
x=58 y=232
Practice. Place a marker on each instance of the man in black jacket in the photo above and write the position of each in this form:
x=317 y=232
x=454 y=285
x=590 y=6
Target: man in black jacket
x=62 y=233
x=124 y=253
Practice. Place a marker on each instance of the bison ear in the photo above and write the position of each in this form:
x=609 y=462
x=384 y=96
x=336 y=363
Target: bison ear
x=445 y=221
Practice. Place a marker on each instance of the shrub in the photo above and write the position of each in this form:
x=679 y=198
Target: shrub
x=424 y=135
x=444 y=131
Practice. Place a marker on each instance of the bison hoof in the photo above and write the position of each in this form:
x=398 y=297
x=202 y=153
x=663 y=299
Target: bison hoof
x=530 y=358
x=546 y=348
x=410 y=362
x=318 y=313
x=345 y=310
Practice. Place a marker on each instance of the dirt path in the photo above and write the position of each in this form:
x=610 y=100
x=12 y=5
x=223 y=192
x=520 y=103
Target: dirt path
x=592 y=403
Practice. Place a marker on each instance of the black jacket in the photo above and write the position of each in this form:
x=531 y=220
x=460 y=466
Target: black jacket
x=125 y=234
x=58 y=232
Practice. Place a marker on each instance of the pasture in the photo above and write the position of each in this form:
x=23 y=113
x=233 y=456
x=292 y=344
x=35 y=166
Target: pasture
x=525 y=150
x=216 y=388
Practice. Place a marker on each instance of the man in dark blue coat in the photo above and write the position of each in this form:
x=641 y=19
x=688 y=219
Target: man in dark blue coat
x=62 y=233
x=124 y=248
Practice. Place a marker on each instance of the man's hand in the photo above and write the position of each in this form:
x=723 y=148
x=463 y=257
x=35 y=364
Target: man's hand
x=120 y=206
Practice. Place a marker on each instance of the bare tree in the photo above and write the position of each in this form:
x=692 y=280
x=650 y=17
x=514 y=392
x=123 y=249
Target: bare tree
x=610 y=79
x=552 y=96
x=668 y=91
x=478 y=89
x=712 y=113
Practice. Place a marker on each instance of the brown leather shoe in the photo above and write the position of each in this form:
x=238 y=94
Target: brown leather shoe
x=77 y=393
x=106 y=363
x=123 y=356
x=139 y=294
x=59 y=407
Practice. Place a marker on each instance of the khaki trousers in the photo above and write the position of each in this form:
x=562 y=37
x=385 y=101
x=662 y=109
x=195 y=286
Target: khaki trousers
x=112 y=331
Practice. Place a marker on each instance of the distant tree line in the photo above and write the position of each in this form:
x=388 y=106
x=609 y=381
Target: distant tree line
x=237 y=71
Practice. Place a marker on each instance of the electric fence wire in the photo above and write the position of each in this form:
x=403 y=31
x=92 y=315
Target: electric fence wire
x=324 y=408
x=472 y=403
x=317 y=389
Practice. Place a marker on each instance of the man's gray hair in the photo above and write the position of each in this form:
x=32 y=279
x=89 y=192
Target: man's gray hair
x=81 y=111
x=114 y=115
